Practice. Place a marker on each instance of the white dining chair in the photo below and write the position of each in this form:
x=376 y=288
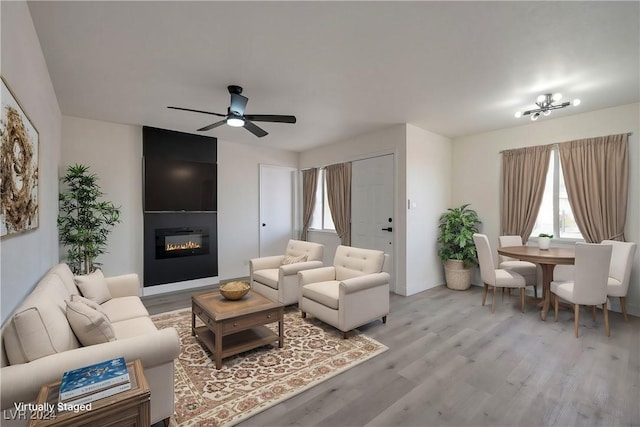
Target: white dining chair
x=589 y=285
x=622 y=254
x=495 y=277
x=526 y=269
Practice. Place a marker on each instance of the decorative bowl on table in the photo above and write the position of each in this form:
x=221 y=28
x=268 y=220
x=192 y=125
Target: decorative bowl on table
x=234 y=290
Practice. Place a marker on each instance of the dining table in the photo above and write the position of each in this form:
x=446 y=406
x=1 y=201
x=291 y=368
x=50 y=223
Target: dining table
x=547 y=259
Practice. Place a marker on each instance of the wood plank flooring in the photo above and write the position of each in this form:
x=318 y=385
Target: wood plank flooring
x=452 y=363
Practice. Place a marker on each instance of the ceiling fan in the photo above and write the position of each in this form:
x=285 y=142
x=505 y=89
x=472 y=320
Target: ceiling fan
x=235 y=115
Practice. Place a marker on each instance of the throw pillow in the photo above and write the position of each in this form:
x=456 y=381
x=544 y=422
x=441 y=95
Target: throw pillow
x=89 y=303
x=292 y=259
x=94 y=287
x=90 y=326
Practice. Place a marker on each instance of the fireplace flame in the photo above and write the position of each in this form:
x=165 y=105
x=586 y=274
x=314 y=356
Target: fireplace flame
x=182 y=247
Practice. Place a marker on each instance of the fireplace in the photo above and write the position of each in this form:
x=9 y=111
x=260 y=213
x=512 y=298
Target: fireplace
x=180 y=242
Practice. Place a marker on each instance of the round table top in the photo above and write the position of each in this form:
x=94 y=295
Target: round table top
x=534 y=254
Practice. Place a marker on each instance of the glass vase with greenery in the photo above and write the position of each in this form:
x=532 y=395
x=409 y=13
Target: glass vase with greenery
x=84 y=222
x=457 y=227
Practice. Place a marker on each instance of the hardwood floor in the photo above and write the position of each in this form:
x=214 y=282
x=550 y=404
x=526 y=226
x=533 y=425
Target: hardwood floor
x=452 y=363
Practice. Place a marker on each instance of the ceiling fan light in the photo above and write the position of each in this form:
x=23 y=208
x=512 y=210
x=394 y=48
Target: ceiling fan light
x=546 y=112
x=556 y=97
x=235 y=122
x=518 y=114
x=535 y=116
x=541 y=98
x=576 y=102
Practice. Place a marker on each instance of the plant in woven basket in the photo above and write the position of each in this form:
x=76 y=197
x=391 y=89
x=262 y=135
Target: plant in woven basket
x=457 y=249
x=84 y=222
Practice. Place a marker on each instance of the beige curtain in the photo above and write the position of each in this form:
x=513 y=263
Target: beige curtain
x=524 y=173
x=339 y=196
x=309 y=182
x=596 y=173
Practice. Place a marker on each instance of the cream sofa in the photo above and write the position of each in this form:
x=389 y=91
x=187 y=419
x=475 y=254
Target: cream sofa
x=38 y=343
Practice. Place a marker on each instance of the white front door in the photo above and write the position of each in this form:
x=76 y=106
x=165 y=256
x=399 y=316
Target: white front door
x=372 y=222
x=277 y=196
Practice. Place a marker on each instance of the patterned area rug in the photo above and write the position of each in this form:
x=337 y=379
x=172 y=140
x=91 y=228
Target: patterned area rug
x=253 y=381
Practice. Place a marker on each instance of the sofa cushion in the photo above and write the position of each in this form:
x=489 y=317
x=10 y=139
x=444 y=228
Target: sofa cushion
x=89 y=303
x=293 y=259
x=90 y=326
x=133 y=327
x=123 y=308
x=268 y=276
x=39 y=327
x=94 y=287
x=326 y=293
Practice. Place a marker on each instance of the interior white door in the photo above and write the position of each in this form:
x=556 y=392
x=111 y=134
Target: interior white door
x=372 y=222
x=277 y=196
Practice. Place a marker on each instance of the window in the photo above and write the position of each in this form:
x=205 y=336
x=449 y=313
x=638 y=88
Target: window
x=555 y=215
x=321 y=219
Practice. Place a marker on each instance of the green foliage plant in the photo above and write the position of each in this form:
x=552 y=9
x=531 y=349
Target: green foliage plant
x=457 y=227
x=545 y=235
x=84 y=222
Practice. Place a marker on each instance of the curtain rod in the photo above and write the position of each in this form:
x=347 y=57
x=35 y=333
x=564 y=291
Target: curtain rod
x=555 y=143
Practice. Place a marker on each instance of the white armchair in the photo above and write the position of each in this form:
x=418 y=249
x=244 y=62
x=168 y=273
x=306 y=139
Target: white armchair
x=351 y=293
x=273 y=277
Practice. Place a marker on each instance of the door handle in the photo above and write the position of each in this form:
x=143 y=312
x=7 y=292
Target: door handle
x=387 y=229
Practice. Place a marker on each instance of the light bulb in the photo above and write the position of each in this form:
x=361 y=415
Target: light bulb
x=518 y=114
x=541 y=98
x=535 y=116
x=235 y=122
x=557 y=97
x=546 y=112
x=576 y=102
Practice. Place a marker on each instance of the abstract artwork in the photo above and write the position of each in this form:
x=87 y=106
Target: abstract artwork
x=18 y=168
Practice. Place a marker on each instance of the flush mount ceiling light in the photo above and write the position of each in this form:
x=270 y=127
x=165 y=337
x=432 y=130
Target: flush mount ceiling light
x=235 y=120
x=546 y=104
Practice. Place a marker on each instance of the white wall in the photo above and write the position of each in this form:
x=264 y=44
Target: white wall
x=477 y=163
x=238 y=203
x=26 y=257
x=429 y=191
x=114 y=153
x=423 y=174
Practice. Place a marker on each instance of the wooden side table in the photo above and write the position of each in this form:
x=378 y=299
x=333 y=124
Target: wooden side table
x=130 y=408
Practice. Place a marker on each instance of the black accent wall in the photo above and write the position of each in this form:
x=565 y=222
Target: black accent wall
x=179 y=147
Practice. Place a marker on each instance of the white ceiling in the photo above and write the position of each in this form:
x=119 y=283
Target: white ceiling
x=343 y=68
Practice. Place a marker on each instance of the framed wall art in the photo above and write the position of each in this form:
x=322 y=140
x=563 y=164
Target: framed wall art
x=18 y=168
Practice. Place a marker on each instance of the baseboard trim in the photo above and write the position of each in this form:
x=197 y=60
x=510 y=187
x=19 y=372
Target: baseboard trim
x=180 y=286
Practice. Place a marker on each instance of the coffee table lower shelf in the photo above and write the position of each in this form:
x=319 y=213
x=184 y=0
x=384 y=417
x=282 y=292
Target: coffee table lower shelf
x=237 y=342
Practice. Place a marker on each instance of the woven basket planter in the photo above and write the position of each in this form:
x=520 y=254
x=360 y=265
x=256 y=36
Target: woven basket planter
x=457 y=276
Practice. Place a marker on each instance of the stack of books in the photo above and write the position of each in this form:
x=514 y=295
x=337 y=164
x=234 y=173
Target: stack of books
x=90 y=383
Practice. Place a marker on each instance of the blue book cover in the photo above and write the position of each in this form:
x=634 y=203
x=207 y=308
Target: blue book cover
x=92 y=378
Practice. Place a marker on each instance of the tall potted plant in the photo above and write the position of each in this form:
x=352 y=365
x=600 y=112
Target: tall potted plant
x=84 y=222
x=457 y=250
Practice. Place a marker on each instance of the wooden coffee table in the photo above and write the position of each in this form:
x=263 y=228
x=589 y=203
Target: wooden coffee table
x=232 y=327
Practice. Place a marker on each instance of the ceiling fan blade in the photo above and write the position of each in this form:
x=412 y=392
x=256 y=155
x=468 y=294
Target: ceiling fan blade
x=213 y=125
x=271 y=118
x=254 y=129
x=198 y=111
x=238 y=103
